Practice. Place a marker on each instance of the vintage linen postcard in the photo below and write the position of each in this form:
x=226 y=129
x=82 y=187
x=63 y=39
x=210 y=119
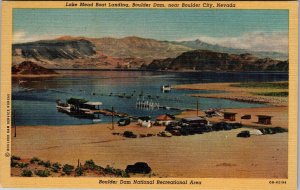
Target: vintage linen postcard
x=149 y=94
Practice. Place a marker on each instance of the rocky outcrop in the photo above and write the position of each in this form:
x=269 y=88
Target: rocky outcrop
x=216 y=61
x=198 y=44
x=160 y=64
x=55 y=49
x=30 y=68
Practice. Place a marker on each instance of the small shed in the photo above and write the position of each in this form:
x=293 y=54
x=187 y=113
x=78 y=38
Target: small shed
x=264 y=119
x=143 y=119
x=164 y=119
x=229 y=116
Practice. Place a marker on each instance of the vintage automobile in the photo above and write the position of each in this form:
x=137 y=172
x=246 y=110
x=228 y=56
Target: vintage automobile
x=124 y=122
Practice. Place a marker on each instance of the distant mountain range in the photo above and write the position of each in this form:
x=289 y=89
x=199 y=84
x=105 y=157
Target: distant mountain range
x=206 y=60
x=128 y=53
x=198 y=44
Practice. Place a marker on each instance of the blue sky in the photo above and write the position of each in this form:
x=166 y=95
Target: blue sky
x=213 y=26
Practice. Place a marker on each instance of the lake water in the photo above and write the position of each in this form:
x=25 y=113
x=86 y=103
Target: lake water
x=34 y=98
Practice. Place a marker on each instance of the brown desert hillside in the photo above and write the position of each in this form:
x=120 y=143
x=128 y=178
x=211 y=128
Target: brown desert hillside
x=30 y=68
x=132 y=52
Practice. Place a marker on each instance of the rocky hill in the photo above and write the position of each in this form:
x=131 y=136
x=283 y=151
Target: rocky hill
x=216 y=61
x=102 y=53
x=30 y=68
x=55 y=49
x=135 y=47
x=53 y=53
x=69 y=52
x=198 y=44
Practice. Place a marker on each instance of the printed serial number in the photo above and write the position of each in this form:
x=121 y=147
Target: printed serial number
x=277 y=182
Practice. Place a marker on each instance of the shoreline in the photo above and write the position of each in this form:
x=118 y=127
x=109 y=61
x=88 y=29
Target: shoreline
x=211 y=155
x=222 y=154
x=147 y=70
x=279 y=112
x=241 y=94
x=171 y=71
x=36 y=76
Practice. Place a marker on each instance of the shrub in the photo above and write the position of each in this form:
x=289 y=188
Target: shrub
x=56 y=167
x=121 y=173
x=23 y=165
x=68 y=169
x=14 y=163
x=34 y=159
x=26 y=173
x=90 y=164
x=124 y=174
x=42 y=173
x=15 y=158
x=79 y=171
x=108 y=169
x=47 y=164
x=118 y=172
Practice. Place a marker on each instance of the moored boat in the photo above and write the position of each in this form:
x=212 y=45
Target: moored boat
x=165 y=88
x=80 y=108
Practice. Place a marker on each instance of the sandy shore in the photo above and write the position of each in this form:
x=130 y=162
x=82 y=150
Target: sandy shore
x=214 y=154
x=36 y=76
x=209 y=155
x=237 y=93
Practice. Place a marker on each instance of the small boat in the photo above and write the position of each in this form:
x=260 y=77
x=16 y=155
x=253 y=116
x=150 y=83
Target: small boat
x=165 y=88
x=97 y=120
x=168 y=108
x=80 y=108
x=63 y=107
x=22 y=81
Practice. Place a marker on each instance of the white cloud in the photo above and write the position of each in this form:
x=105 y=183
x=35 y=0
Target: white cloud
x=18 y=36
x=22 y=37
x=256 y=41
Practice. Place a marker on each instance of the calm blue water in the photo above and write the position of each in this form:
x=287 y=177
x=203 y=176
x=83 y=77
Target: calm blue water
x=34 y=99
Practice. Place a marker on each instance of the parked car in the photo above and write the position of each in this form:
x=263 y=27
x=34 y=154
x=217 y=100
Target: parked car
x=184 y=132
x=172 y=127
x=129 y=134
x=221 y=126
x=164 y=134
x=193 y=130
x=268 y=131
x=206 y=129
x=124 y=122
x=280 y=130
x=244 y=134
x=175 y=132
x=235 y=125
